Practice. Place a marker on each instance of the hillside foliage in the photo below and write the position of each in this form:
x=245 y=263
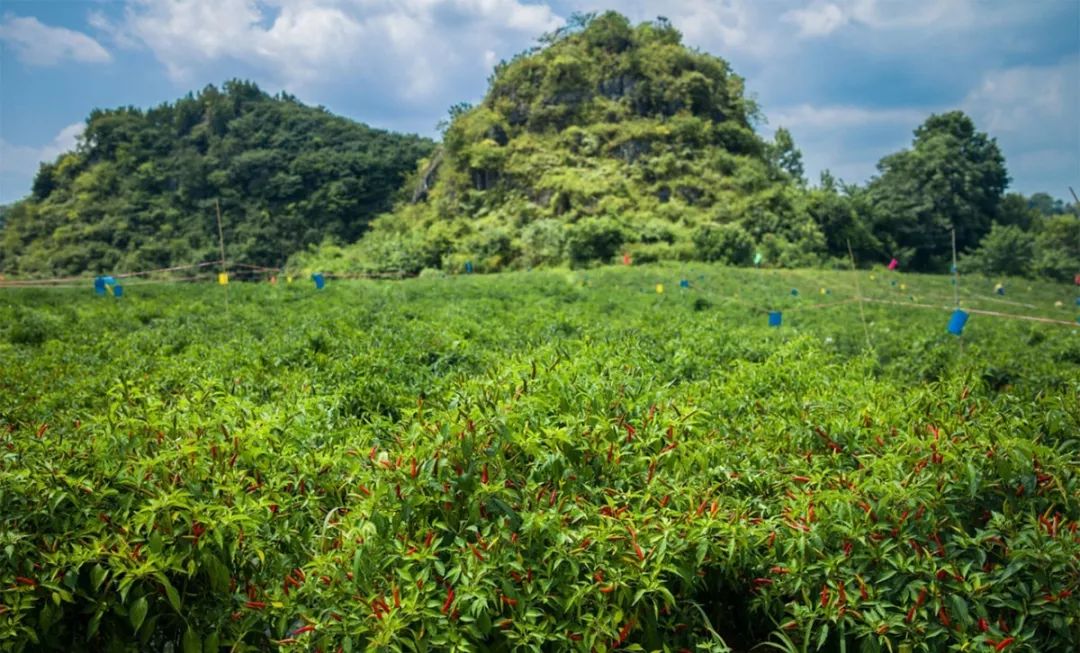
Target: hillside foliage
x=139 y=190
x=606 y=140
x=610 y=137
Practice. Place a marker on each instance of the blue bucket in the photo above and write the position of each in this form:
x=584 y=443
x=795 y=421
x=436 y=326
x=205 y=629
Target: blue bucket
x=957 y=321
x=775 y=318
x=320 y=282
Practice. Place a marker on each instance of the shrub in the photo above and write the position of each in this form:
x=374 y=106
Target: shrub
x=592 y=240
x=727 y=243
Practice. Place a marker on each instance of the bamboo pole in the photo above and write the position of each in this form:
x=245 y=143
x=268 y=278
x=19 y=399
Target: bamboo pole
x=221 y=242
x=858 y=296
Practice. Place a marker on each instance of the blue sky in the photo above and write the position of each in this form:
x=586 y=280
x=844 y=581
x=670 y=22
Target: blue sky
x=851 y=79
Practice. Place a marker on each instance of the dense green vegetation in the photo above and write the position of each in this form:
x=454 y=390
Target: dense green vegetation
x=616 y=139
x=609 y=137
x=540 y=461
x=139 y=191
x=606 y=139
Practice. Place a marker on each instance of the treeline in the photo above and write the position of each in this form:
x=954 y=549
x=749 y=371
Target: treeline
x=612 y=138
x=139 y=191
x=606 y=139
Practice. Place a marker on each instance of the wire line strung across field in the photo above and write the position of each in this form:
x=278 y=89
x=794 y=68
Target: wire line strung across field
x=762 y=284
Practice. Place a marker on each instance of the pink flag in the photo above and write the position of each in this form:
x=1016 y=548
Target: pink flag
x=626 y=260
x=893 y=264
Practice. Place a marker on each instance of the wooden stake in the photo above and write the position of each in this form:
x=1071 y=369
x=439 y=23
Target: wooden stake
x=858 y=296
x=221 y=242
x=955 y=271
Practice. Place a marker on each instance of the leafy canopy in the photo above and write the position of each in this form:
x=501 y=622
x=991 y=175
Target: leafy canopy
x=139 y=191
x=610 y=136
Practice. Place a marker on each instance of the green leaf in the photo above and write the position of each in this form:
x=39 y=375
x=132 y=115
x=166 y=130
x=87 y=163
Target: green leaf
x=170 y=591
x=97 y=576
x=960 y=609
x=137 y=613
x=824 y=635
x=191 y=642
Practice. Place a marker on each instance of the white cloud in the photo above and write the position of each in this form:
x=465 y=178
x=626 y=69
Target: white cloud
x=409 y=48
x=1032 y=111
x=19 y=163
x=38 y=44
x=811 y=116
x=819 y=19
x=1028 y=98
x=720 y=26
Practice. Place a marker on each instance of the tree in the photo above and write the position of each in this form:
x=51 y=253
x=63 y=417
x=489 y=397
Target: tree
x=1048 y=206
x=140 y=188
x=841 y=213
x=1058 y=248
x=952 y=178
x=785 y=157
x=1016 y=210
x=727 y=243
x=1007 y=249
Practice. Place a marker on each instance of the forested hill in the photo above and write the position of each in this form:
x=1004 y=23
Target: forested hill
x=610 y=137
x=608 y=133
x=139 y=191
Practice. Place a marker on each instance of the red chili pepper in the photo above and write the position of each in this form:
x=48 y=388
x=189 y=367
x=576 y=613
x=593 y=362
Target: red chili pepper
x=23 y=580
x=983 y=625
x=255 y=605
x=801 y=479
x=824 y=596
x=363 y=489
x=449 y=600
x=943 y=617
x=484 y=475
x=508 y=601
x=412 y=468
x=1003 y=643
x=640 y=554
x=922 y=597
x=397 y=597
x=476 y=553
x=303 y=629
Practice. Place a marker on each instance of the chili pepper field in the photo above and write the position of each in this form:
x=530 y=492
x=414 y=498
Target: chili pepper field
x=542 y=461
